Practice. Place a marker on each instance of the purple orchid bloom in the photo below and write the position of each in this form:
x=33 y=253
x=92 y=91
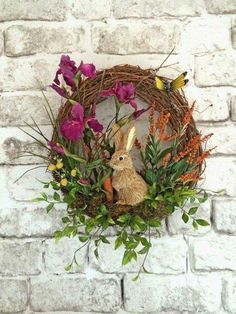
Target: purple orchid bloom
x=73 y=128
x=87 y=69
x=137 y=113
x=69 y=71
x=56 y=147
x=124 y=93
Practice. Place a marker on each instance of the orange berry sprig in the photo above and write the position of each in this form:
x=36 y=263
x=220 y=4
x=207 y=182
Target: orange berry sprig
x=151 y=120
x=166 y=160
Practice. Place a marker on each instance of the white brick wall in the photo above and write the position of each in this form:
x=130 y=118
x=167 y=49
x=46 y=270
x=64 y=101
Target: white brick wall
x=192 y=272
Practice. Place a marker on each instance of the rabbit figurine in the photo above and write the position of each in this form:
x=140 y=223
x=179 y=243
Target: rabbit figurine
x=130 y=186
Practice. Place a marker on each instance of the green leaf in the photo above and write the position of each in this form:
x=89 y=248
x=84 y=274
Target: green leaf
x=68 y=267
x=150 y=176
x=124 y=236
x=135 y=278
x=58 y=235
x=124 y=218
x=131 y=245
x=128 y=256
x=96 y=253
x=195 y=225
x=192 y=210
x=111 y=221
x=49 y=207
x=144 y=250
x=74 y=156
x=65 y=220
x=56 y=197
x=103 y=209
x=68 y=231
x=38 y=199
x=44 y=195
x=144 y=242
x=202 y=222
x=118 y=243
x=83 y=238
x=104 y=239
x=185 y=217
x=154 y=223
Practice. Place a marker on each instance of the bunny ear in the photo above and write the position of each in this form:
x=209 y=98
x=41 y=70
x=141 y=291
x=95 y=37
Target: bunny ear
x=117 y=134
x=129 y=138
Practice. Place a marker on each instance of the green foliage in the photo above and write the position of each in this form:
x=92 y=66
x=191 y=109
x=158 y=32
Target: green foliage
x=86 y=160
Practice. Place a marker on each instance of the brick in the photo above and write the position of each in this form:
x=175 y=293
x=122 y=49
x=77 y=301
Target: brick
x=192 y=40
x=13 y=105
x=167 y=255
x=101 y=294
x=223 y=137
x=135 y=37
x=24 y=40
x=233 y=108
x=17 y=222
x=212 y=104
x=176 y=225
x=234 y=33
x=187 y=294
x=224 y=216
x=225 y=168
x=11 y=10
x=58 y=255
x=14 y=143
x=1 y=42
x=213 y=252
x=140 y=8
x=230 y=295
x=215 y=69
x=32 y=73
x=6 y=201
x=28 y=187
x=220 y=7
x=13 y=295
x=20 y=257
x=91 y=10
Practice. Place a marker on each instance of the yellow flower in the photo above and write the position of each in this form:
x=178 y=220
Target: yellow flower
x=51 y=167
x=59 y=165
x=73 y=172
x=64 y=182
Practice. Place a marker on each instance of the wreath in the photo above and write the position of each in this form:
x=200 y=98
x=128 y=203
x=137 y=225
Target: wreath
x=93 y=171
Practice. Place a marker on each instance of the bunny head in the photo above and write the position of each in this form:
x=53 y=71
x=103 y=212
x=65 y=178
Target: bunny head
x=121 y=159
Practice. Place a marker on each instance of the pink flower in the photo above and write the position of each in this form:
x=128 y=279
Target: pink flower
x=68 y=70
x=87 y=69
x=56 y=147
x=83 y=181
x=73 y=128
x=124 y=93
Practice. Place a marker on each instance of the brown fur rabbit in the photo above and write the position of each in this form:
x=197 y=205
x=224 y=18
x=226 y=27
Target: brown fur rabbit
x=130 y=186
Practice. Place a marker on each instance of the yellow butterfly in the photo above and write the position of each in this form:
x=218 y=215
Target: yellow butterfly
x=170 y=86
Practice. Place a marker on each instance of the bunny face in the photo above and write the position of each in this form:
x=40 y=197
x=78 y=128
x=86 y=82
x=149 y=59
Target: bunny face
x=121 y=160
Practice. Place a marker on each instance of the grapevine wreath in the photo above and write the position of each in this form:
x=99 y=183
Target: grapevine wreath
x=91 y=164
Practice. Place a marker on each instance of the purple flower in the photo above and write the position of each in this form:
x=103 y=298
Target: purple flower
x=68 y=70
x=56 y=147
x=87 y=69
x=73 y=128
x=95 y=125
x=59 y=90
x=137 y=113
x=124 y=93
